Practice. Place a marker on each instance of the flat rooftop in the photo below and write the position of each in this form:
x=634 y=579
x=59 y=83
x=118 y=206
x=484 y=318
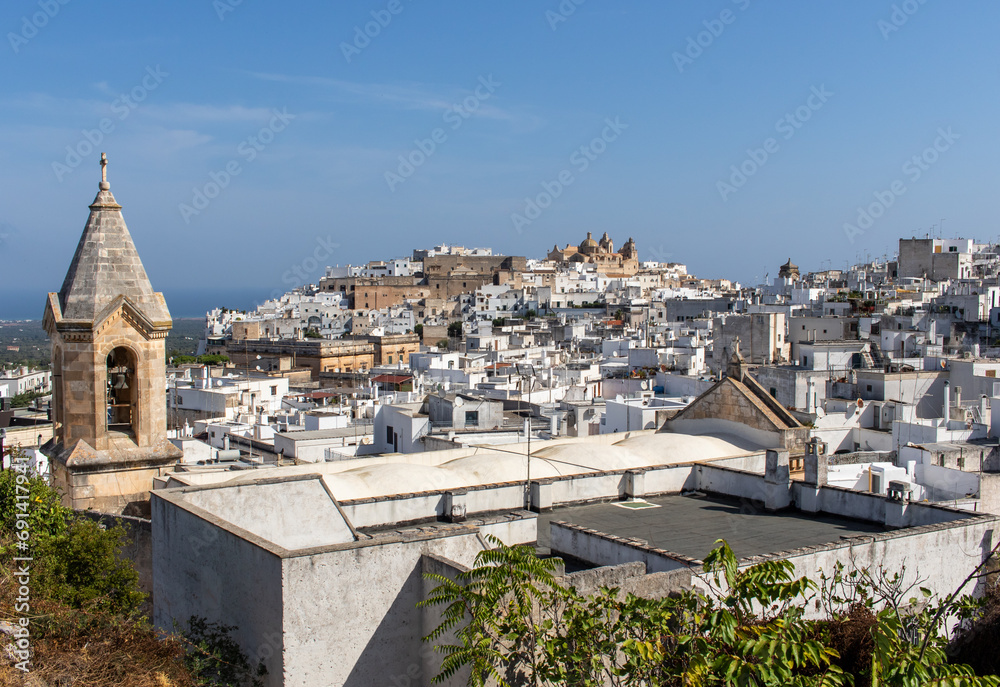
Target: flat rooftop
x=321 y=434
x=689 y=525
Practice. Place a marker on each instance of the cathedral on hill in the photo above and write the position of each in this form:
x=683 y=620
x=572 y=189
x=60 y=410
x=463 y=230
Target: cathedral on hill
x=601 y=254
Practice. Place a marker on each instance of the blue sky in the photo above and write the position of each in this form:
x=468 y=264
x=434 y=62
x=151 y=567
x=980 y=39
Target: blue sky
x=207 y=77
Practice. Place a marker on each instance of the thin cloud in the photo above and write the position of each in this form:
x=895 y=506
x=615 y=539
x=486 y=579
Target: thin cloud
x=180 y=114
x=401 y=96
x=199 y=113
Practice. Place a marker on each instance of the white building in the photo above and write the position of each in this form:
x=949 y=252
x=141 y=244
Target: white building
x=224 y=397
x=22 y=380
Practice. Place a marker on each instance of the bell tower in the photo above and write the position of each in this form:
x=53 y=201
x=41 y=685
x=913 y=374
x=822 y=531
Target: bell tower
x=108 y=329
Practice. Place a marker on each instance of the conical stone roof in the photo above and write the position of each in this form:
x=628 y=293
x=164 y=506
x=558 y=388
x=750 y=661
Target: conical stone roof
x=106 y=265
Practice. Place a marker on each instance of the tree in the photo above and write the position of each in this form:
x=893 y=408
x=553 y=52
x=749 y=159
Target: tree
x=514 y=623
x=455 y=330
x=207 y=359
x=86 y=615
x=76 y=561
x=419 y=330
x=24 y=400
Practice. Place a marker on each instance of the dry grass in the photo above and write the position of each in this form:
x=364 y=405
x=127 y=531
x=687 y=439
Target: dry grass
x=85 y=649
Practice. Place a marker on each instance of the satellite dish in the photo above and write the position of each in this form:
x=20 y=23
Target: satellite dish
x=644 y=384
x=861 y=404
x=944 y=364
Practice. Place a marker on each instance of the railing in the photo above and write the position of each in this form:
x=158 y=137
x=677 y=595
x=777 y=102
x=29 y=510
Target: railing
x=332 y=455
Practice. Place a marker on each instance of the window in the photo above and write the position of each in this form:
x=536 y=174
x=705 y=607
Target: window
x=180 y=400
x=774 y=392
x=274 y=390
x=869 y=387
x=961 y=463
x=390 y=359
x=472 y=418
x=388 y=434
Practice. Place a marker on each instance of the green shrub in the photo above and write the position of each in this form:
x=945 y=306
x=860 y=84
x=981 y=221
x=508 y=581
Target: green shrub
x=82 y=568
x=207 y=359
x=46 y=516
x=215 y=659
x=76 y=561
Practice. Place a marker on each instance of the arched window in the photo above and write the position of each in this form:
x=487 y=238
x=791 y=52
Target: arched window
x=122 y=395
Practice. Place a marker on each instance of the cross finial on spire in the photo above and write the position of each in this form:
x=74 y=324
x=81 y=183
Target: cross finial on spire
x=104 y=172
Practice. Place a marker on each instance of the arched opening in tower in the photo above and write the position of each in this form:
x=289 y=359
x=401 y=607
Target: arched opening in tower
x=123 y=392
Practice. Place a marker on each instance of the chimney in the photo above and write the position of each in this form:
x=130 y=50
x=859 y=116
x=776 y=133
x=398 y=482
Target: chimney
x=947 y=402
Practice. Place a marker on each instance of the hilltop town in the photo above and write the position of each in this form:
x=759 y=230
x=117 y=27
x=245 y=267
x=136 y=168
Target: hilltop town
x=409 y=344
x=295 y=478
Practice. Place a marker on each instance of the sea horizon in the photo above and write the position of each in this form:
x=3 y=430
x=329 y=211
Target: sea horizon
x=29 y=304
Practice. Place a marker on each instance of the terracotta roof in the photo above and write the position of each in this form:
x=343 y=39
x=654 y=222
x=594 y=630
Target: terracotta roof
x=317 y=395
x=393 y=379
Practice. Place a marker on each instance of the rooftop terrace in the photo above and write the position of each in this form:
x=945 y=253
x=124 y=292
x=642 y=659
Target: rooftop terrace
x=690 y=524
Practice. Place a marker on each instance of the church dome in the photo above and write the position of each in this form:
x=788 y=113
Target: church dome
x=589 y=245
x=789 y=270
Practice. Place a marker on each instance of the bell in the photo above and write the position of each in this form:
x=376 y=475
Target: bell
x=120 y=382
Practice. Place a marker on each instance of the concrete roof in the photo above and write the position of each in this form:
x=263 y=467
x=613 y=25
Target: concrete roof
x=294 y=513
x=948 y=446
x=320 y=434
x=388 y=475
x=836 y=343
x=690 y=525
